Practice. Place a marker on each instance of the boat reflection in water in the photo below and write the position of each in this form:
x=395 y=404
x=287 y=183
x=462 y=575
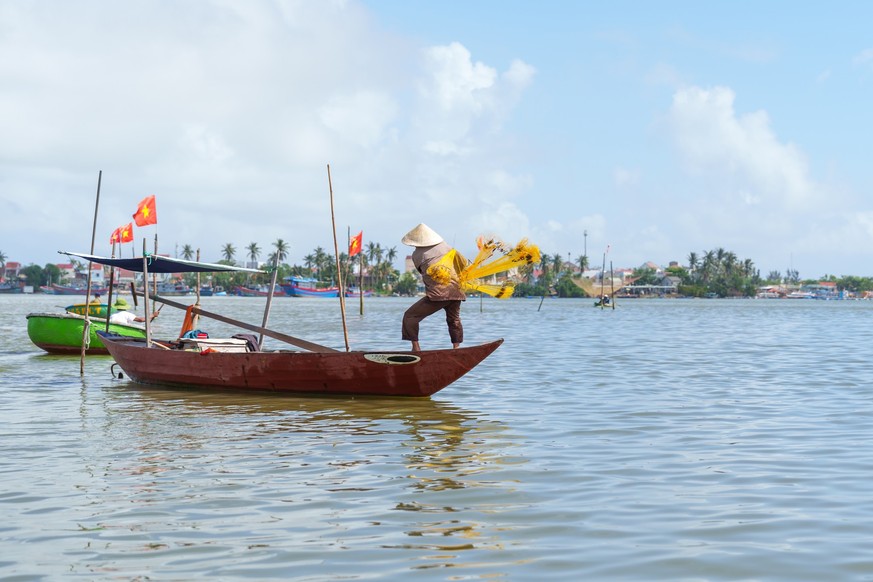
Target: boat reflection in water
x=366 y=474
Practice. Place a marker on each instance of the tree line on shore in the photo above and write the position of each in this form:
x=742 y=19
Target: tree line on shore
x=717 y=271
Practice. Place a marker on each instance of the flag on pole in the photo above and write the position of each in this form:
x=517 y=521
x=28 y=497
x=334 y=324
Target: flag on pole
x=146 y=212
x=355 y=244
x=122 y=234
x=126 y=233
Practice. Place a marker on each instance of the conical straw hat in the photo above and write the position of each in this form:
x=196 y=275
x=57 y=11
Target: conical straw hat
x=421 y=236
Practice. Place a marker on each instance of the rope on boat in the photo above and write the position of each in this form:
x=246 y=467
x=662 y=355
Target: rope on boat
x=119 y=375
x=87 y=333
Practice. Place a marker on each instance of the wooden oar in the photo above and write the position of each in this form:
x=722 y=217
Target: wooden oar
x=312 y=347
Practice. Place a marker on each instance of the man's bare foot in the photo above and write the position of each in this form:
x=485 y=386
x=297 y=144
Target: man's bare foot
x=416 y=347
x=456 y=346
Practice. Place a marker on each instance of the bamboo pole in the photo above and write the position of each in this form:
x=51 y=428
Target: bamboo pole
x=111 y=286
x=269 y=296
x=612 y=286
x=338 y=271
x=197 y=293
x=154 y=275
x=86 y=329
x=602 y=282
x=145 y=288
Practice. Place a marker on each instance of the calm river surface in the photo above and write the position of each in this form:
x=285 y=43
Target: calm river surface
x=662 y=440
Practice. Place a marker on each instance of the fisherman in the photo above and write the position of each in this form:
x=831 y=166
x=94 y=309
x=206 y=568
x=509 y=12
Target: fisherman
x=430 y=248
x=124 y=316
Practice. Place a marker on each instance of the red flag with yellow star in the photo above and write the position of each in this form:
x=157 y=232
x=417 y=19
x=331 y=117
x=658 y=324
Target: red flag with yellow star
x=122 y=234
x=355 y=244
x=126 y=233
x=146 y=212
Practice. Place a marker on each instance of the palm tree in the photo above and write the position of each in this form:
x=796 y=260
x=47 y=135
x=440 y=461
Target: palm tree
x=557 y=265
x=309 y=261
x=2 y=263
x=693 y=261
x=282 y=249
x=254 y=252
x=545 y=261
x=187 y=252
x=582 y=261
x=228 y=251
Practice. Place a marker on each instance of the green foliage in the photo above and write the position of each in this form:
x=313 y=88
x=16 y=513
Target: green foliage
x=721 y=273
x=692 y=290
x=407 y=284
x=567 y=288
x=35 y=275
x=529 y=290
x=645 y=276
x=855 y=284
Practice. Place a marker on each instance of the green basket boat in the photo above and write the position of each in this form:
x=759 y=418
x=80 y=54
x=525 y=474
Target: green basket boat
x=100 y=310
x=61 y=333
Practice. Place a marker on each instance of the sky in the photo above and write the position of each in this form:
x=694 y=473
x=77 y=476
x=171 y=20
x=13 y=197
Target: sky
x=651 y=130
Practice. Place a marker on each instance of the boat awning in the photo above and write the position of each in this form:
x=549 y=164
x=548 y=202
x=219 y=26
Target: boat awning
x=159 y=264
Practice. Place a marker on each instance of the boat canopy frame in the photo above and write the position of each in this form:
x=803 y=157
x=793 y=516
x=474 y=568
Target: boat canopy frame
x=160 y=264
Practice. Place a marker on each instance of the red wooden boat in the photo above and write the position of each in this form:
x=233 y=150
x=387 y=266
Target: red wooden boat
x=228 y=364
x=240 y=364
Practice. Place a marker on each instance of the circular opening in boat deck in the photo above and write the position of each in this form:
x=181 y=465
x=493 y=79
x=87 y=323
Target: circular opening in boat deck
x=392 y=358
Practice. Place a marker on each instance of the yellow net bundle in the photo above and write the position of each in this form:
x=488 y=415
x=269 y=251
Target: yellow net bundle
x=454 y=267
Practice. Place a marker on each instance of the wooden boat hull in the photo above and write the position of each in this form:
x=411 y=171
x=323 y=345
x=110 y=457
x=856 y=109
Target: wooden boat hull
x=61 y=333
x=248 y=292
x=350 y=373
x=295 y=291
x=64 y=290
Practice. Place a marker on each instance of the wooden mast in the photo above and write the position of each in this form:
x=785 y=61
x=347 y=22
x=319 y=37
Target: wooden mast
x=86 y=331
x=339 y=275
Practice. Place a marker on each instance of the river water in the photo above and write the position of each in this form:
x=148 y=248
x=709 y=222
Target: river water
x=661 y=440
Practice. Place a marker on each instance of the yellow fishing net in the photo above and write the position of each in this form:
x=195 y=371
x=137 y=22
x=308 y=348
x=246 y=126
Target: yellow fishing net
x=454 y=267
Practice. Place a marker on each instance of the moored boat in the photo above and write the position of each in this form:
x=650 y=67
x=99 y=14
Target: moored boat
x=304 y=287
x=261 y=291
x=171 y=288
x=76 y=290
x=7 y=287
x=239 y=363
x=100 y=310
x=231 y=365
x=62 y=333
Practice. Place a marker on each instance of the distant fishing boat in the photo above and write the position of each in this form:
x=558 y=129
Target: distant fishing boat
x=305 y=287
x=212 y=291
x=357 y=293
x=10 y=288
x=77 y=290
x=173 y=288
x=260 y=291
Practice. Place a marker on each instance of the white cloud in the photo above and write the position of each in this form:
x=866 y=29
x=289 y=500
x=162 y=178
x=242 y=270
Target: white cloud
x=863 y=58
x=460 y=97
x=229 y=114
x=624 y=177
x=741 y=150
x=362 y=118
